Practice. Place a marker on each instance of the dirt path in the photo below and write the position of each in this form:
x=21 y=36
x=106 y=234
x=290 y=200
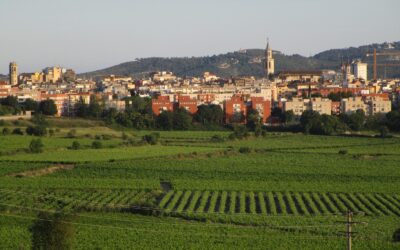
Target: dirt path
x=42 y=171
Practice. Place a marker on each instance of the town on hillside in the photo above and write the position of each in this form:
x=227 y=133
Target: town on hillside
x=326 y=92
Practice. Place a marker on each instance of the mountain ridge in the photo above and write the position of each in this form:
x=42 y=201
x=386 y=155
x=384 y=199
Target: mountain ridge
x=248 y=62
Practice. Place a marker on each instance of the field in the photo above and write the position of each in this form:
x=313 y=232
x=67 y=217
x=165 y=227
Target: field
x=285 y=191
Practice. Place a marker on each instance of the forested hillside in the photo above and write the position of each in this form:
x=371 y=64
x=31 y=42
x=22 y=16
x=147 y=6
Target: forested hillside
x=251 y=62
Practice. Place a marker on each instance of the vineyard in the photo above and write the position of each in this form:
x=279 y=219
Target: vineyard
x=278 y=203
x=285 y=191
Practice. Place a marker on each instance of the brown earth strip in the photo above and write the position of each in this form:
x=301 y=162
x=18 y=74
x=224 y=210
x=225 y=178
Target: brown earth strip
x=43 y=171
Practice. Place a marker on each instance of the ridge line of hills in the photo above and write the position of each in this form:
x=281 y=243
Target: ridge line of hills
x=250 y=62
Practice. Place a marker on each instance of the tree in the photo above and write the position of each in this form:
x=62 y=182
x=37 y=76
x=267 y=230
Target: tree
x=288 y=116
x=182 y=119
x=36 y=146
x=30 y=105
x=253 y=120
x=81 y=109
x=12 y=102
x=94 y=108
x=209 y=115
x=393 y=120
x=355 y=121
x=52 y=231
x=314 y=123
x=165 y=120
x=47 y=107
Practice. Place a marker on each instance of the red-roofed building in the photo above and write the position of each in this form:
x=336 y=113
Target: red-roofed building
x=187 y=103
x=235 y=110
x=162 y=103
x=263 y=107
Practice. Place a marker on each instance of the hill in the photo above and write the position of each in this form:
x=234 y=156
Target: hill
x=249 y=62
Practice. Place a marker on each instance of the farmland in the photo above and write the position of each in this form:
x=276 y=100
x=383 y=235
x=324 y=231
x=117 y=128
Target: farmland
x=285 y=191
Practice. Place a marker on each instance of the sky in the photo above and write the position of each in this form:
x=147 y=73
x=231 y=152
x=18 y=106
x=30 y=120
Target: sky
x=87 y=35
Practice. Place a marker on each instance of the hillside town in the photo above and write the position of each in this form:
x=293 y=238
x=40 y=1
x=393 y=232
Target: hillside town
x=326 y=91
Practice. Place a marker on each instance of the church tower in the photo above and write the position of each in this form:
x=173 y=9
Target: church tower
x=13 y=73
x=269 y=61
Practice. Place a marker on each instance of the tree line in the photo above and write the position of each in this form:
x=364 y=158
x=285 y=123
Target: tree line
x=11 y=106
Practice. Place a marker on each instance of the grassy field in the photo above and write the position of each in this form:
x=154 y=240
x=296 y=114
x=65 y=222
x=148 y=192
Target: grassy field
x=285 y=191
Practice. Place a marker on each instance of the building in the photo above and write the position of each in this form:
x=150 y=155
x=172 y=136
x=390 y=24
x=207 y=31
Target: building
x=269 y=61
x=13 y=73
x=235 y=110
x=161 y=104
x=263 y=108
x=187 y=103
x=321 y=105
x=352 y=104
x=360 y=70
x=378 y=105
x=296 y=105
x=300 y=76
x=317 y=104
x=53 y=74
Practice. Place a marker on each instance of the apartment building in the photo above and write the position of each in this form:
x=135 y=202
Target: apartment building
x=352 y=104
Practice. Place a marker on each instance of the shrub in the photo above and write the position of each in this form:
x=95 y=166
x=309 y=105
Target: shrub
x=263 y=133
x=151 y=139
x=6 y=131
x=383 y=132
x=343 y=152
x=258 y=131
x=244 y=150
x=36 y=131
x=106 y=137
x=217 y=138
x=97 y=144
x=18 y=131
x=51 y=132
x=75 y=145
x=36 y=146
x=71 y=133
x=50 y=231
x=396 y=235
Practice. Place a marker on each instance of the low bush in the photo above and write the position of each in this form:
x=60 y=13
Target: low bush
x=97 y=144
x=18 y=131
x=6 y=131
x=36 y=146
x=36 y=130
x=244 y=150
x=217 y=138
x=151 y=139
x=75 y=145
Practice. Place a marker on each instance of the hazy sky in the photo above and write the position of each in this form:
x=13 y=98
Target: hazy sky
x=92 y=34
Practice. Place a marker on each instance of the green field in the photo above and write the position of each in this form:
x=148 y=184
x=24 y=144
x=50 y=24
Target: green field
x=286 y=191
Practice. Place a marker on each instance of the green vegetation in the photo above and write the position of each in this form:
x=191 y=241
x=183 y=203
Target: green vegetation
x=198 y=189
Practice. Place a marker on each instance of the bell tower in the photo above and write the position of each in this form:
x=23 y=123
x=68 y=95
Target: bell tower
x=269 y=61
x=13 y=73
